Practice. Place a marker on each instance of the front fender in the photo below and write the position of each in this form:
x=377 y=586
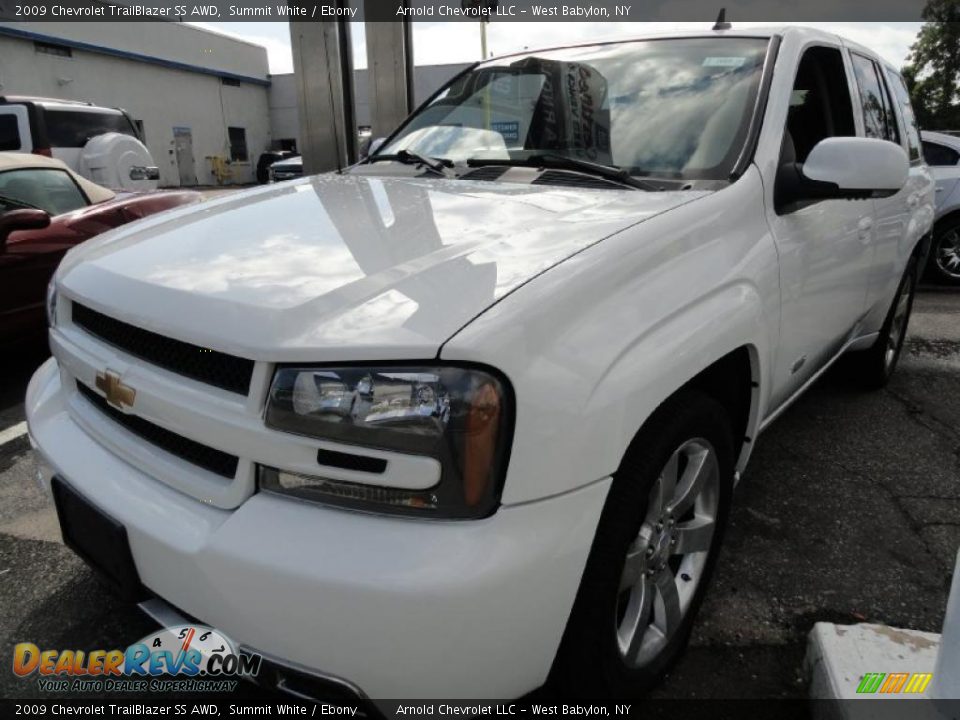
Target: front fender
x=596 y=344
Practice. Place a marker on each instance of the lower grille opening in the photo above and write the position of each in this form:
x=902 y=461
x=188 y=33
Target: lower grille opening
x=216 y=461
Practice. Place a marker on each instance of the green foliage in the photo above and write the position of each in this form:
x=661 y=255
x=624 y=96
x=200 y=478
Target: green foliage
x=932 y=71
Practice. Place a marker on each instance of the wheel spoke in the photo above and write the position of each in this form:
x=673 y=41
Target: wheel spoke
x=635 y=564
x=665 y=487
x=636 y=619
x=694 y=535
x=692 y=482
x=902 y=305
x=666 y=604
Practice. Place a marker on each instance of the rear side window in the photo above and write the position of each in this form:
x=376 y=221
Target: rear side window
x=9 y=132
x=938 y=155
x=73 y=128
x=906 y=111
x=51 y=190
x=878 y=119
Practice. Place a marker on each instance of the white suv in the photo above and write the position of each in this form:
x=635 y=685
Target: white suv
x=101 y=144
x=468 y=416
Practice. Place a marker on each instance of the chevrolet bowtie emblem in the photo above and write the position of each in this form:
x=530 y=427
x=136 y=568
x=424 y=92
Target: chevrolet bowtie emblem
x=117 y=393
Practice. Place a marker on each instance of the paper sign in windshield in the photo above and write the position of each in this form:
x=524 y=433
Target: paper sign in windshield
x=724 y=62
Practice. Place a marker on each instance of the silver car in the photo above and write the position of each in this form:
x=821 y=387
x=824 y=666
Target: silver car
x=942 y=153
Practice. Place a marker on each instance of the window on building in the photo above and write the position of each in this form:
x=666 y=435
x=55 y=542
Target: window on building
x=9 y=132
x=878 y=118
x=238 y=144
x=230 y=81
x=53 y=191
x=46 y=48
x=938 y=155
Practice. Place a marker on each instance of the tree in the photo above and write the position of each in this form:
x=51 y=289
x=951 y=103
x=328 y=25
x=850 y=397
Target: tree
x=932 y=72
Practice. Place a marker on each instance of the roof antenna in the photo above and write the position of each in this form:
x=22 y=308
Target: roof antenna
x=721 y=23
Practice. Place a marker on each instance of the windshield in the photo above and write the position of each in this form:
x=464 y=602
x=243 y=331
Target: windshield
x=673 y=108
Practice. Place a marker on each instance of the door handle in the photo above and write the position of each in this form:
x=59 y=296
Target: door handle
x=864 y=228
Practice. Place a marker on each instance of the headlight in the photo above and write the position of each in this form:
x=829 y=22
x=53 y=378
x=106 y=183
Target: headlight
x=461 y=417
x=52 y=303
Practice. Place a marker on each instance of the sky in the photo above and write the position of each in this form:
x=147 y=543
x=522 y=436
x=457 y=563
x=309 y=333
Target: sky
x=453 y=42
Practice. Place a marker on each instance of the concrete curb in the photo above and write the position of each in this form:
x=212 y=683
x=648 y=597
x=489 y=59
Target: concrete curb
x=839 y=656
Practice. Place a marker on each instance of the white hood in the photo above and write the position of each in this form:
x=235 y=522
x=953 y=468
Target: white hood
x=337 y=267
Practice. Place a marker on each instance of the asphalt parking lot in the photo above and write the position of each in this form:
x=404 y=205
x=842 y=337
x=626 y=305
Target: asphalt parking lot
x=849 y=512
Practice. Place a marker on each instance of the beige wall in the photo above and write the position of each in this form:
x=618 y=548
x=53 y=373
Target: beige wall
x=163 y=98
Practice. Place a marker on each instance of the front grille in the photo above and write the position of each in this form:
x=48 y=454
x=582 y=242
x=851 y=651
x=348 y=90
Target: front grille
x=215 y=461
x=208 y=366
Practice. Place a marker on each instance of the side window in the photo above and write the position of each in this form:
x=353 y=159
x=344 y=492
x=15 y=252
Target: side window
x=820 y=104
x=878 y=119
x=906 y=112
x=938 y=155
x=9 y=132
x=51 y=190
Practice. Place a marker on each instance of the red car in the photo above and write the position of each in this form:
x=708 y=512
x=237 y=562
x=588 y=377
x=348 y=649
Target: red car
x=46 y=209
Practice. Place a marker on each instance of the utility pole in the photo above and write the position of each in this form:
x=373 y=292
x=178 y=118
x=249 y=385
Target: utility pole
x=483 y=10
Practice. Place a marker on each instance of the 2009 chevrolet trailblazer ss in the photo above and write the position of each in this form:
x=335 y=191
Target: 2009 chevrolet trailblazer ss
x=468 y=415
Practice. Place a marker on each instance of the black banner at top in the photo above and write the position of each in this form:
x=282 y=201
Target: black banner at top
x=773 y=11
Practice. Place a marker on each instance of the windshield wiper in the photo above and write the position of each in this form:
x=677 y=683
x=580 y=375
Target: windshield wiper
x=554 y=161
x=411 y=158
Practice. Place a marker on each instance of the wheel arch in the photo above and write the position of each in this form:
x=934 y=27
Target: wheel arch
x=720 y=345
x=734 y=381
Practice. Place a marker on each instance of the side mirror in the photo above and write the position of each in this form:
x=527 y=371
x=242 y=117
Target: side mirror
x=25 y=219
x=848 y=168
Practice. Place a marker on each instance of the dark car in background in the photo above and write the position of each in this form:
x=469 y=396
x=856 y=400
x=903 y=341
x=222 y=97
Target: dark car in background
x=46 y=209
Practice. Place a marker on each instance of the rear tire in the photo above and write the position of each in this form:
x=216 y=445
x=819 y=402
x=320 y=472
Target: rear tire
x=944 y=263
x=653 y=554
x=873 y=368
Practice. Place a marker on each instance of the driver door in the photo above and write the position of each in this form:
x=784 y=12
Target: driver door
x=825 y=247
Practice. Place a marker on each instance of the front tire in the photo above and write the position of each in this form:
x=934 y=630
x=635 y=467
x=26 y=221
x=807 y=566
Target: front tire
x=653 y=553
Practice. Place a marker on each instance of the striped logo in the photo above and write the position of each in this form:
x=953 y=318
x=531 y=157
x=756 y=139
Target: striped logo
x=894 y=683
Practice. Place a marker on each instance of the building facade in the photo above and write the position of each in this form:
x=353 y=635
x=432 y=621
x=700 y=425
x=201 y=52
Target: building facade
x=284 y=118
x=201 y=98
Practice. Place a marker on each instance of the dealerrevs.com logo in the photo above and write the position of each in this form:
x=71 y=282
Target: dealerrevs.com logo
x=180 y=658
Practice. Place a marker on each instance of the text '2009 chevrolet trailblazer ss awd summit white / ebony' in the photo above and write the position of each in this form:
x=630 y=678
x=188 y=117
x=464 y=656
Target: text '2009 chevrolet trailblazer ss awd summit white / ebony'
x=467 y=417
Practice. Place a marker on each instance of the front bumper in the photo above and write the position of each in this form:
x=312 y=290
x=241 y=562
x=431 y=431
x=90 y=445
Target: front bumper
x=398 y=607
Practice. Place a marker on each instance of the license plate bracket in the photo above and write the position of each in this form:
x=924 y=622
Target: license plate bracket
x=99 y=539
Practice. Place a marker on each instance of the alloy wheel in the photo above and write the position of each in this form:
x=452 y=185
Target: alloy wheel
x=947 y=253
x=666 y=560
x=898 y=325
